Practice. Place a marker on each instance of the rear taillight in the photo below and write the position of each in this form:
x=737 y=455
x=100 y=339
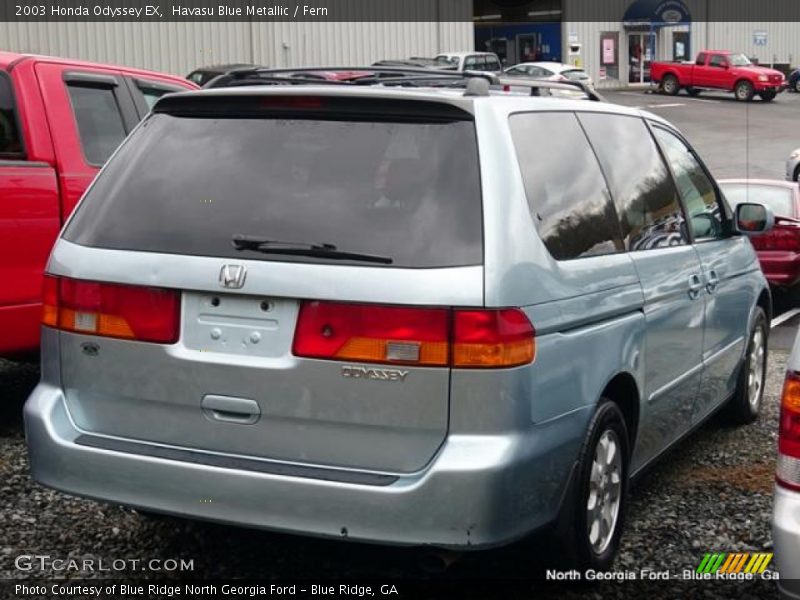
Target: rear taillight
x=435 y=337
x=788 y=471
x=492 y=338
x=111 y=310
x=782 y=237
x=372 y=333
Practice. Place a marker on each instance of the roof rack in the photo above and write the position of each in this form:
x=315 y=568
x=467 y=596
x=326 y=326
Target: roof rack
x=394 y=76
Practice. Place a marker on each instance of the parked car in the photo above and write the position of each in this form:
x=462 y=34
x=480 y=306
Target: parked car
x=59 y=122
x=469 y=61
x=414 y=62
x=549 y=70
x=793 y=81
x=370 y=323
x=793 y=166
x=779 y=250
x=203 y=75
x=786 y=510
x=719 y=70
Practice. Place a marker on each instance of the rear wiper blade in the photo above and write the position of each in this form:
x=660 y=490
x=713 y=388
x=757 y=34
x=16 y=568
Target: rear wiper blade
x=323 y=250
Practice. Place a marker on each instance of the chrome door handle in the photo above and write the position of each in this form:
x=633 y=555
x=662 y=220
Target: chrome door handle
x=695 y=286
x=713 y=282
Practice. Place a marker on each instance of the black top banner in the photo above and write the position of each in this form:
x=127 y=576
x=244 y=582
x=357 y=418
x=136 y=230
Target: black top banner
x=661 y=12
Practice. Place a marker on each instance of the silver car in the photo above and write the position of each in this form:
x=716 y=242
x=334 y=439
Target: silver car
x=793 y=166
x=412 y=316
x=786 y=512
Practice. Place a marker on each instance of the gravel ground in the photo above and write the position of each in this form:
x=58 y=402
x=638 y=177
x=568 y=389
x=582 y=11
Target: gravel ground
x=712 y=493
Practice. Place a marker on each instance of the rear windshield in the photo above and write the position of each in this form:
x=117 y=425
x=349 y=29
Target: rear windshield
x=408 y=191
x=779 y=199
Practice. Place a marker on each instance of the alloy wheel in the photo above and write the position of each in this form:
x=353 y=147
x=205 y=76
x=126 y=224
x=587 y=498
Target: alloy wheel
x=755 y=376
x=605 y=491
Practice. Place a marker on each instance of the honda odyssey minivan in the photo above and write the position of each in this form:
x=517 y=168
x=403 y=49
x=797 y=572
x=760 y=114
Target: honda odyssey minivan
x=409 y=316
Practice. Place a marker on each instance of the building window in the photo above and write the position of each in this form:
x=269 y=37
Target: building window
x=609 y=55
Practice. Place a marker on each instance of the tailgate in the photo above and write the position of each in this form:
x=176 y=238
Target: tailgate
x=247 y=221
x=232 y=385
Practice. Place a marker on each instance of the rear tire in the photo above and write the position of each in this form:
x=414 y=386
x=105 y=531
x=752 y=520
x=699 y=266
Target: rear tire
x=797 y=85
x=670 y=85
x=745 y=405
x=797 y=174
x=590 y=525
x=744 y=91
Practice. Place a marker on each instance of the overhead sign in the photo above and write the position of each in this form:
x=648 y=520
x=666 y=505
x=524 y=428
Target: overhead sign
x=656 y=13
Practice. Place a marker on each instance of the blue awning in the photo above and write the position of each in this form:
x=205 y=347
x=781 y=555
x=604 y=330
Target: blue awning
x=656 y=13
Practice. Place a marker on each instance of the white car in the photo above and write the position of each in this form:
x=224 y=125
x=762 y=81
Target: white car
x=786 y=511
x=793 y=166
x=469 y=61
x=549 y=70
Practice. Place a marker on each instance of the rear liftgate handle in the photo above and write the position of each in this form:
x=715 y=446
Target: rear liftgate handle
x=225 y=409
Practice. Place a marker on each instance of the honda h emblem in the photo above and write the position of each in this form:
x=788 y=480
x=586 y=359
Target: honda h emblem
x=232 y=276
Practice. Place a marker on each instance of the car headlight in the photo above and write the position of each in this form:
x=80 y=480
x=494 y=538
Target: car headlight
x=763 y=78
x=795 y=154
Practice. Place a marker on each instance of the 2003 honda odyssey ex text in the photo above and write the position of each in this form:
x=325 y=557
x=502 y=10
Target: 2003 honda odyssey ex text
x=412 y=316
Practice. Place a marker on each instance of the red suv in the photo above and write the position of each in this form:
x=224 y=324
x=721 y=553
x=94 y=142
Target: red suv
x=59 y=122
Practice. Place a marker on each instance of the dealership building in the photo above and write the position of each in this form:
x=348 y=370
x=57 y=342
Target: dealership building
x=614 y=40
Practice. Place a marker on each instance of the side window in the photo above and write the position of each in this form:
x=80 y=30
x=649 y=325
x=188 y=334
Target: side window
x=701 y=59
x=152 y=91
x=100 y=123
x=706 y=218
x=717 y=61
x=492 y=64
x=152 y=94
x=644 y=194
x=574 y=215
x=10 y=136
x=471 y=63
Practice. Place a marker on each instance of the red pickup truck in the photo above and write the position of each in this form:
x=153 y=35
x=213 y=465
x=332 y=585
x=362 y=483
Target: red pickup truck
x=59 y=122
x=719 y=70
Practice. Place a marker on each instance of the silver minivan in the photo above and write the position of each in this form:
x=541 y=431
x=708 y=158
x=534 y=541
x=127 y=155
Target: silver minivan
x=786 y=509
x=410 y=316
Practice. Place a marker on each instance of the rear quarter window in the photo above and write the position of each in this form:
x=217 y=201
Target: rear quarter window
x=399 y=188
x=644 y=194
x=568 y=198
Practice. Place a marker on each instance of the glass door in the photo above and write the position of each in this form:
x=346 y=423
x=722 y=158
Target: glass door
x=641 y=51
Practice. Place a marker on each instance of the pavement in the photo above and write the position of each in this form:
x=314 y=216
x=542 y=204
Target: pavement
x=735 y=139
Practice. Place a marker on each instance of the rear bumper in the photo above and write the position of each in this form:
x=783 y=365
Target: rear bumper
x=20 y=327
x=781 y=268
x=786 y=539
x=478 y=491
